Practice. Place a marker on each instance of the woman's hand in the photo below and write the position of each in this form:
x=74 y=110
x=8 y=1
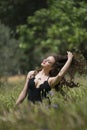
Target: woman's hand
x=69 y=54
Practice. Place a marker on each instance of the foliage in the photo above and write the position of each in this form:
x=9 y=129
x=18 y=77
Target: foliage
x=13 y=13
x=45 y=27
x=64 y=113
x=9 y=52
x=61 y=27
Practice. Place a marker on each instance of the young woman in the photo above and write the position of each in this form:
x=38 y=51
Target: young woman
x=39 y=83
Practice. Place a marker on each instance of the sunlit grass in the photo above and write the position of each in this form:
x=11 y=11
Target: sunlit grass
x=63 y=114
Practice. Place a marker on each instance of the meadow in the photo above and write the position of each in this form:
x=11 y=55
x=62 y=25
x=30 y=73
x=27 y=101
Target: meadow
x=67 y=112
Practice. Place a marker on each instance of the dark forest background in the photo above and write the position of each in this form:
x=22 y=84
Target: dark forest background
x=32 y=29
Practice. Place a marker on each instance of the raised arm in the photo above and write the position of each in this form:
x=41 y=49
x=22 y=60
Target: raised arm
x=55 y=80
x=23 y=93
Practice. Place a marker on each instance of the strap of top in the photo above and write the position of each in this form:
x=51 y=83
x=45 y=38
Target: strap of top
x=47 y=78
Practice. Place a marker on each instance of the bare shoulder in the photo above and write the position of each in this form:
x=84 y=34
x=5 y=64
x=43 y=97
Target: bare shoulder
x=30 y=73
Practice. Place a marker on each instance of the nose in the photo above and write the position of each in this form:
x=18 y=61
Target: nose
x=44 y=60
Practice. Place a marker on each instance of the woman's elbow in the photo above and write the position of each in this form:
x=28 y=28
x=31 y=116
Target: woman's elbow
x=61 y=74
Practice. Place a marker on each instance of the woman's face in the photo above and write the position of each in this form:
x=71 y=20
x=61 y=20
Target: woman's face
x=48 y=62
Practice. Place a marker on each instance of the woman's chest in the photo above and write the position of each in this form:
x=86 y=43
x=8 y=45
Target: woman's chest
x=38 y=85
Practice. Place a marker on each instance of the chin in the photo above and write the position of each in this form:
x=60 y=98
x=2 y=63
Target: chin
x=42 y=64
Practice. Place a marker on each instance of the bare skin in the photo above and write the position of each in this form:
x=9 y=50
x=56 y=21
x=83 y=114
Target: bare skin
x=44 y=74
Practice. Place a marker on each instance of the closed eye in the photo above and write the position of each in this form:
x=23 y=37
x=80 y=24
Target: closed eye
x=49 y=62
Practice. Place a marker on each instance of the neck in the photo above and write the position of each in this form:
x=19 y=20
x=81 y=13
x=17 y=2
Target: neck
x=44 y=72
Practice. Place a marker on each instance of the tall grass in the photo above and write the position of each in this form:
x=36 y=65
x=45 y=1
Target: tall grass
x=64 y=113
